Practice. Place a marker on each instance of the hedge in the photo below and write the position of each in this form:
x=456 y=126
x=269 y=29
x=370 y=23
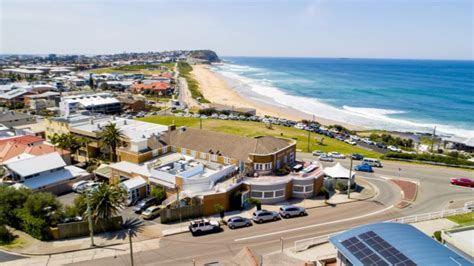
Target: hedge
x=428 y=158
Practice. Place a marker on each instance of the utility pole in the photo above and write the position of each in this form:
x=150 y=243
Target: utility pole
x=89 y=219
x=349 y=181
x=281 y=244
x=179 y=205
x=131 y=247
x=433 y=138
x=309 y=139
x=200 y=123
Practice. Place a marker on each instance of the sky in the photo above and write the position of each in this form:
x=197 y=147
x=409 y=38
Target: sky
x=418 y=29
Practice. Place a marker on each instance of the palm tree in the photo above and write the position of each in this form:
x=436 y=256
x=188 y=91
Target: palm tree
x=107 y=201
x=66 y=142
x=111 y=137
x=84 y=143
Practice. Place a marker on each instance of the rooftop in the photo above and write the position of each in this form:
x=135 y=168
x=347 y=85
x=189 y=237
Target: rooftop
x=132 y=129
x=228 y=145
x=89 y=100
x=391 y=243
x=26 y=139
x=13 y=149
x=66 y=173
x=38 y=164
x=11 y=115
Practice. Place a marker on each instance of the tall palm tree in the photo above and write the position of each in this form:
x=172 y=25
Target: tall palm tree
x=111 y=137
x=107 y=201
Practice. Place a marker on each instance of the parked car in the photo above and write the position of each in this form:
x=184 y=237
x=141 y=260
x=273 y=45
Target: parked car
x=364 y=168
x=394 y=149
x=350 y=141
x=356 y=156
x=87 y=187
x=337 y=155
x=237 y=222
x=317 y=153
x=151 y=212
x=145 y=203
x=203 y=226
x=325 y=158
x=465 y=182
x=291 y=211
x=264 y=216
x=79 y=186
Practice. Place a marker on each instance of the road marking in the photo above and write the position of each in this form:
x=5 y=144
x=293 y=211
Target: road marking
x=313 y=225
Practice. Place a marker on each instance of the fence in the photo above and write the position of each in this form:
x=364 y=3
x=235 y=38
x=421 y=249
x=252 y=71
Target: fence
x=75 y=229
x=193 y=211
x=304 y=244
x=429 y=216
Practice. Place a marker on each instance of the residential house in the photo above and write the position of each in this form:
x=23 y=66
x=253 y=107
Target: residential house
x=158 y=88
x=12 y=149
x=47 y=172
x=132 y=105
x=12 y=118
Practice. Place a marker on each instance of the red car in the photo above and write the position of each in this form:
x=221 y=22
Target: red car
x=462 y=182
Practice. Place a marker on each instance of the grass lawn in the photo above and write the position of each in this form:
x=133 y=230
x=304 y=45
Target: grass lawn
x=16 y=243
x=463 y=219
x=133 y=68
x=251 y=129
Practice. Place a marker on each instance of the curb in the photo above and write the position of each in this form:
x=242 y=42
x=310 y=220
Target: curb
x=175 y=233
x=59 y=252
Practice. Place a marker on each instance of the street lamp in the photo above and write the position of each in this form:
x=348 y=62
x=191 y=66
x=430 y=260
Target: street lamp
x=349 y=181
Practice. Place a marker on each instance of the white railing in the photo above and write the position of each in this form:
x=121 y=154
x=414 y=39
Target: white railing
x=304 y=244
x=429 y=216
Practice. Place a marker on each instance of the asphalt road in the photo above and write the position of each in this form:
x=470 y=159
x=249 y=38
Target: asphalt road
x=434 y=191
x=4 y=257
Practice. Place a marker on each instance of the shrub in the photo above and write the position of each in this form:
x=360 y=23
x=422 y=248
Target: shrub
x=255 y=202
x=341 y=186
x=437 y=236
x=283 y=170
x=427 y=157
x=219 y=209
x=34 y=226
x=158 y=193
x=5 y=235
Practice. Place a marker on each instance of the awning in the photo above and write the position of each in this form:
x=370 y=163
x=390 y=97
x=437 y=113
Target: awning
x=337 y=171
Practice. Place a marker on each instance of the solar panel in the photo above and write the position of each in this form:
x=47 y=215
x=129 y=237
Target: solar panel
x=382 y=247
x=362 y=252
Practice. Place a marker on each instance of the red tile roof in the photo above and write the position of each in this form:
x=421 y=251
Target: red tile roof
x=157 y=86
x=12 y=149
x=26 y=139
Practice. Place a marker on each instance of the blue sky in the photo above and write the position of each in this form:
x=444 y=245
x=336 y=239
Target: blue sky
x=363 y=29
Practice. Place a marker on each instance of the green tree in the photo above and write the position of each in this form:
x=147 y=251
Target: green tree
x=10 y=201
x=44 y=206
x=110 y=136
x=106 y=201
x=66 y=142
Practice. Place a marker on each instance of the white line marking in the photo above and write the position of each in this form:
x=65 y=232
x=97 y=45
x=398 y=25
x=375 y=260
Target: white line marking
x=313 y=225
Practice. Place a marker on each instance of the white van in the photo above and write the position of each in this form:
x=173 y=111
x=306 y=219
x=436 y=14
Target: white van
x=372 y=162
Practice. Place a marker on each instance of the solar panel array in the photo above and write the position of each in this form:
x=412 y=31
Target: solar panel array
x=359 y=247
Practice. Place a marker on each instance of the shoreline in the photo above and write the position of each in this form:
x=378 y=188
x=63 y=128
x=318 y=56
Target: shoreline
x=218 y=89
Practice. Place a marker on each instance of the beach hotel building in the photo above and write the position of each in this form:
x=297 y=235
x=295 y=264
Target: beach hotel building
x=102 y=103
x=198 y=164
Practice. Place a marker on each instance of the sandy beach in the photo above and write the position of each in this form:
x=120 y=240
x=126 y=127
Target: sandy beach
x=217 y=90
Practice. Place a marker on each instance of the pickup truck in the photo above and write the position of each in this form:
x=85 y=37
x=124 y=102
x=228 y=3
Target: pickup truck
x=200 y=226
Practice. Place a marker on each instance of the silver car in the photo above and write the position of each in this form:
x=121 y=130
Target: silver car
x=237 y=222
x=292 y=211
x=264 y=216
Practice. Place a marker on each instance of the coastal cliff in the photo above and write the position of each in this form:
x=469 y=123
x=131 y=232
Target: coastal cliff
x=208 y=56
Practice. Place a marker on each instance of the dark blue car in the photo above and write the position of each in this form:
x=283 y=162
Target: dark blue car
x=364 y=168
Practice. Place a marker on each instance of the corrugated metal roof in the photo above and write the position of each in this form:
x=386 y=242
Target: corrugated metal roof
x=37 y=164
x=411 y=242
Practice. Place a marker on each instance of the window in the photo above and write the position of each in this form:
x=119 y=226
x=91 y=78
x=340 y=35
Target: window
x=298 y=189
x=308 y=188
x=203 y=155
x=213 y=157
x=279 y=193
x=262 y=166
x=292 y=157
x=154 y=153
x=193 y=154
x=226 y=160
x=164 y=150
x=173 y=149
x=268 y=194
x=183 y=151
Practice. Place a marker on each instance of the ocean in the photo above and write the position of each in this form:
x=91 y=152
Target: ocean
x=389 y=94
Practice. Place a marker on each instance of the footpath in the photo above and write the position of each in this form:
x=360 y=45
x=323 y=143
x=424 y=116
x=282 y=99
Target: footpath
x=145 y=238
